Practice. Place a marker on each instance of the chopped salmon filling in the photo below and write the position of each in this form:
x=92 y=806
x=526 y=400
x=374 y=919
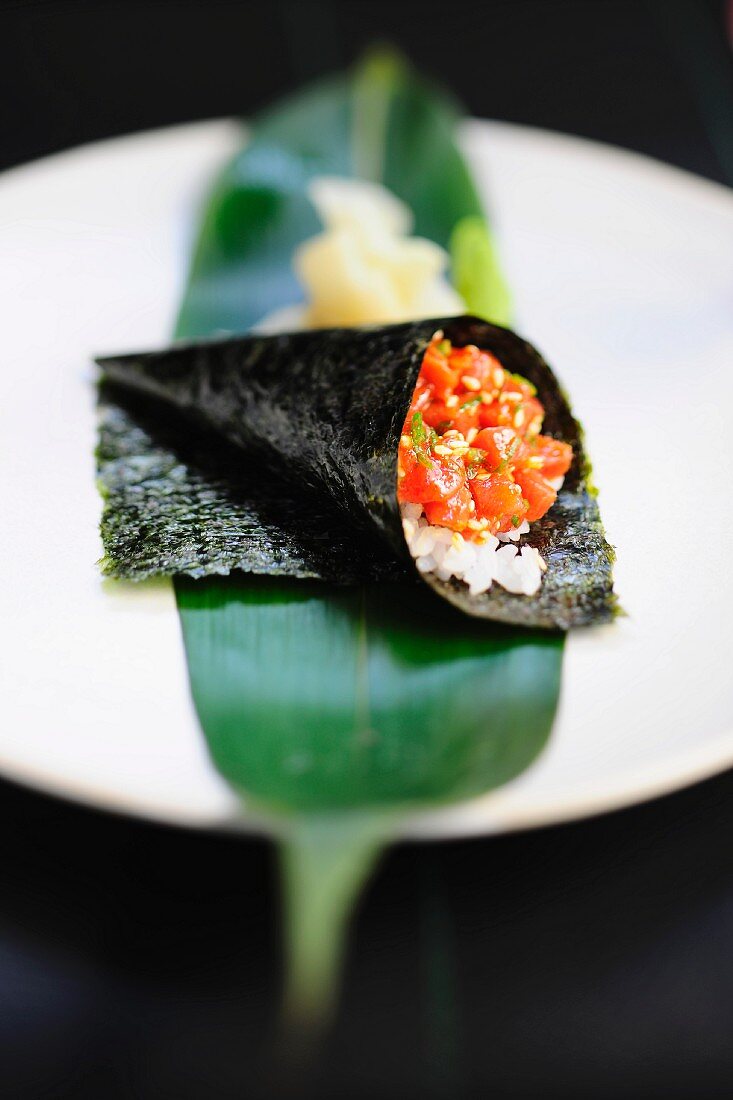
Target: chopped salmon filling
x=471 y=452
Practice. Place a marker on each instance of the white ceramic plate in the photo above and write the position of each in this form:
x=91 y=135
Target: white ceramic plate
x=623 y=275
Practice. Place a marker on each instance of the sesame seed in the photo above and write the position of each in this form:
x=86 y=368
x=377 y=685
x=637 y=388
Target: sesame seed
x=452 y=401
x=487 y=398
x=472 y=506
x=406 y=440
x=441 y=450
x=400 y=472
x=535 y=425
x=498 y=376
x=470 y=382
x=519 y=418
x=452 y=433
x=535 y=462
x=482 y=476
x=509 y=397
x=457 y=540
x=471 y=435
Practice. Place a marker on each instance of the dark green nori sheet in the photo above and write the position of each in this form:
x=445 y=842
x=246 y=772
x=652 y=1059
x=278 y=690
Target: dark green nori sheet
x=278 y=454
x=179 y=500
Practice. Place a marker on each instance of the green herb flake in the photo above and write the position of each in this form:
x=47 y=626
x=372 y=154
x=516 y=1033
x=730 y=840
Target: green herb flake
x=444 y=347
x=420 y=440
x=522 y=381
x=516 y=521
x=417 y=430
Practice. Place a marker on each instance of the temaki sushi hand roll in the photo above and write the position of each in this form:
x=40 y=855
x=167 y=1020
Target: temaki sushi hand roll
x=445 y=446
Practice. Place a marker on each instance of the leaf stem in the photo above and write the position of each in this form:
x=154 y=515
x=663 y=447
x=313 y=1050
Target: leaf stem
x=324 y=865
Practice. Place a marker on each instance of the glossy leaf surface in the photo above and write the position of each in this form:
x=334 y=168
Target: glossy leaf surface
x=334 y=712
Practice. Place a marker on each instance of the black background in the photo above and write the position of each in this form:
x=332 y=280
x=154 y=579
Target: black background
x=588 y=960
x=653 y=75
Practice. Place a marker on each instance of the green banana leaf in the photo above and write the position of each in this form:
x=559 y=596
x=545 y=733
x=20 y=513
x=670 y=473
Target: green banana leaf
x=335 y=712
x=383 y=123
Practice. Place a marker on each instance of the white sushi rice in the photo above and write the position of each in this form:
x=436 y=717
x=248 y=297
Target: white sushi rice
x=498 y=559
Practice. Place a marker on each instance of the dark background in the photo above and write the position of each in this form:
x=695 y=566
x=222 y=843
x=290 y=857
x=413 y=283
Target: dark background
x=653 y=75
x=589 y=960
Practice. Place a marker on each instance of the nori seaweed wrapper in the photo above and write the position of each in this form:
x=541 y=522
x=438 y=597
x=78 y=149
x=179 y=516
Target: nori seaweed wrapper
x=278 y=454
